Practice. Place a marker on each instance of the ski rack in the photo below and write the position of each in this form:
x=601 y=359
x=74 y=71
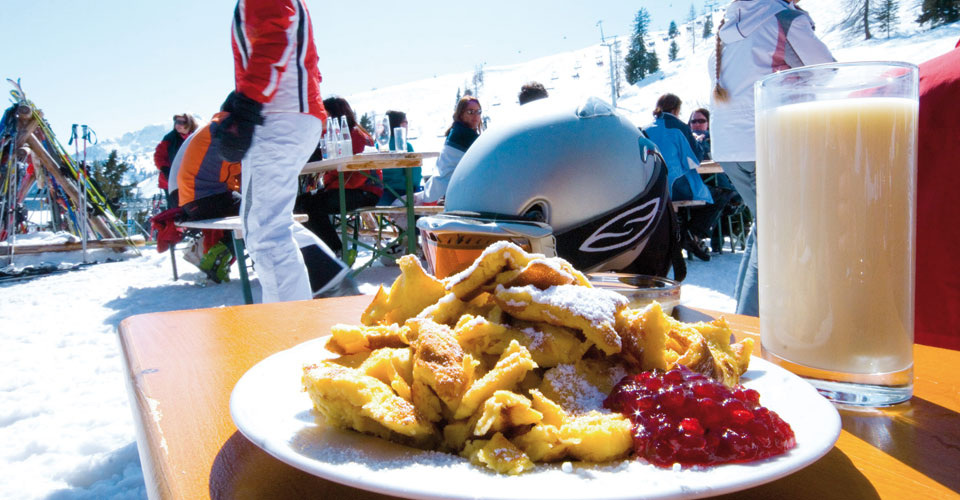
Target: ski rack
x=24 y=136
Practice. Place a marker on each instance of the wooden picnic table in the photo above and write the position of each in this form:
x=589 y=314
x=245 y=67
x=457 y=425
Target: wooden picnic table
x=364 y=162
x=181 y=367
x=709 y=167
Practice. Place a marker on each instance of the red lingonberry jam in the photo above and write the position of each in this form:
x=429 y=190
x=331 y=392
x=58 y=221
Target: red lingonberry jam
x=680 y=416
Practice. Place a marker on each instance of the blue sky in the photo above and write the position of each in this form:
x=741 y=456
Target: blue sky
x=119 y=65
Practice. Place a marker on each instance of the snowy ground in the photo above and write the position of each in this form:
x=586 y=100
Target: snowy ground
x=65 y=419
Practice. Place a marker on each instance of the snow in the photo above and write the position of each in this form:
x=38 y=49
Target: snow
x=65 y=419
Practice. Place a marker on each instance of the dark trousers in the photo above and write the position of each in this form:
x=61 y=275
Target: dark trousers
x=224 y=204
x=211 y=207
x=322 y=204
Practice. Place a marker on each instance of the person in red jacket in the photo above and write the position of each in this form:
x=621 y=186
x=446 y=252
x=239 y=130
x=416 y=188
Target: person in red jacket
x=166 y=151
x=276 y=120
x=937 y=315
x=359 y=190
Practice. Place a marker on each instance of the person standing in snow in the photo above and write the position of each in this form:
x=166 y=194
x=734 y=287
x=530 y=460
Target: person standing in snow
x=166 y=151
x=467 y=121
x=275 y=122
x=755 y=38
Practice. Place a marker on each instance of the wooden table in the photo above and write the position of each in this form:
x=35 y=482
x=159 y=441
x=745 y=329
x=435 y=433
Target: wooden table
x=709 y=167
x=365 y=162
x=182 y=366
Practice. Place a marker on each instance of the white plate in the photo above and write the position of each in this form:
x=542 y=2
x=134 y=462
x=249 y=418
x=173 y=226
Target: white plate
x=270 y=409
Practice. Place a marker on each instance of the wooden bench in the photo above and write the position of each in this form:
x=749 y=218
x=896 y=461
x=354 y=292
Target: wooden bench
x=233 y=224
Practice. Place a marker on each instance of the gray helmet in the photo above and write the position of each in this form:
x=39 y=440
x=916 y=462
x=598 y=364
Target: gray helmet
x=588 y=172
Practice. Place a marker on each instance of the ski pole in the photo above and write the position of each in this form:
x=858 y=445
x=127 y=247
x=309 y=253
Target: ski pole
x=83 y=170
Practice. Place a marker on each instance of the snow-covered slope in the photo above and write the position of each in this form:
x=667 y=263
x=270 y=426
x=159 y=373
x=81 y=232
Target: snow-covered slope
x=575 y=75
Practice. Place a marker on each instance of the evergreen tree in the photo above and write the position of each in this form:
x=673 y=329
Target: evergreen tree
x=653 y=62
x=937 y=12
x=673 y=32
x=674 y=49
x=366 y=122
x=708 y=25
x=458 y=98
x=109 y=176
x=638 y=60
x=858 y=17
x=887 y=16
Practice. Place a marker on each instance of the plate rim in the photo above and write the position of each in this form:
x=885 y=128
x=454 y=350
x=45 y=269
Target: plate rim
x=778 y=467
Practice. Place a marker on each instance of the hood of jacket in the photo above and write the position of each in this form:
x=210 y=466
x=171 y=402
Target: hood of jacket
x=743 y=17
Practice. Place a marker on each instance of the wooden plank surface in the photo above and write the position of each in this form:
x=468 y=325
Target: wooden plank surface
x=368 y=161
x=710 y=167
x=182 y=366
x=72 y=246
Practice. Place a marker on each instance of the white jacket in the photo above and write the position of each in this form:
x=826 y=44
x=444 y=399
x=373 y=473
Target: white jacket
x=759 y=37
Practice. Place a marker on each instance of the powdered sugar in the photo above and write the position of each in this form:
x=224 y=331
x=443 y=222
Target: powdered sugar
x=576 y=394
x=595 y=305
x=535 y=337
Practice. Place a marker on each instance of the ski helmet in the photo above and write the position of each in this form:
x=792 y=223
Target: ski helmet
x=586 y=171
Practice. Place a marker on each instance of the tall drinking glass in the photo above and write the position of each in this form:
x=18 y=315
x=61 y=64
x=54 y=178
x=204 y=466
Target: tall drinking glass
x=400 y=139
x=836 y=196
x=382 y=134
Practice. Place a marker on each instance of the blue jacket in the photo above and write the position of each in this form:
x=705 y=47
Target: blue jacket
x=682 y=154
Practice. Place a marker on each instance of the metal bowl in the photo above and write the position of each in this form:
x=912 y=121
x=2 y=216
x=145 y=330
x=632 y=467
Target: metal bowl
x=640 y=289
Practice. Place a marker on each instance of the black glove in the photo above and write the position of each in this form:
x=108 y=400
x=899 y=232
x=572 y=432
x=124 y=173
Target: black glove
x=235 y=133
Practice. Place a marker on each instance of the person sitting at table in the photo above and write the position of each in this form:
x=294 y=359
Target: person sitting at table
x=361 y=189
x=396 y=178
x=183 y=125
x=699 y=123
x=531 y=91
x=681 y=153
x=208 y=187
x=467 y=122
x=704 y=220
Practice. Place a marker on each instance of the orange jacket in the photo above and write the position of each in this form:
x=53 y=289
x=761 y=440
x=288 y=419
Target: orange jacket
x=202 y=173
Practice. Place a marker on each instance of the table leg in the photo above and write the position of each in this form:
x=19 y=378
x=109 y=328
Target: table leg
x=411 y=222
x=239 y=249
x=343 y=220
x=173 y=260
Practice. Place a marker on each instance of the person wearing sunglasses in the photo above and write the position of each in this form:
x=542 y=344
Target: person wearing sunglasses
x=467 y=123
x=183 y=125
x=699 y=124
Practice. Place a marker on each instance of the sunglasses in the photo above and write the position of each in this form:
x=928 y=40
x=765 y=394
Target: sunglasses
x=473 y=111
x=179 y=122
x=699 y=121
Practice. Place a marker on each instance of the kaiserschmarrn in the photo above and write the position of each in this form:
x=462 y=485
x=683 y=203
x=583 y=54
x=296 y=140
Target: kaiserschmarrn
x=506 y=363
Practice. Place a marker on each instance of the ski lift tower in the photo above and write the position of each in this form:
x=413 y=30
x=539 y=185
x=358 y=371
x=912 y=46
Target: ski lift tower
x=613 y=81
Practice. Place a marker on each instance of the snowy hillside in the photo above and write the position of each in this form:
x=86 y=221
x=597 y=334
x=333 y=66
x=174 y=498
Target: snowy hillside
x=572 y=77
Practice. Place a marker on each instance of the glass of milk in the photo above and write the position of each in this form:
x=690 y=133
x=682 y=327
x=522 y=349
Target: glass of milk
x=836 y=196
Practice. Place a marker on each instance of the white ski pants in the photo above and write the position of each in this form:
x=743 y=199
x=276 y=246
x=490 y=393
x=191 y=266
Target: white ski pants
x=280 y=148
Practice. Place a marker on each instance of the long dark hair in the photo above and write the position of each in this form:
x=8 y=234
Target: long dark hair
x=337 y=106
x=396 y=118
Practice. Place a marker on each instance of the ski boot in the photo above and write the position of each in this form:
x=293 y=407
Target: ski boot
x=216 y=263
